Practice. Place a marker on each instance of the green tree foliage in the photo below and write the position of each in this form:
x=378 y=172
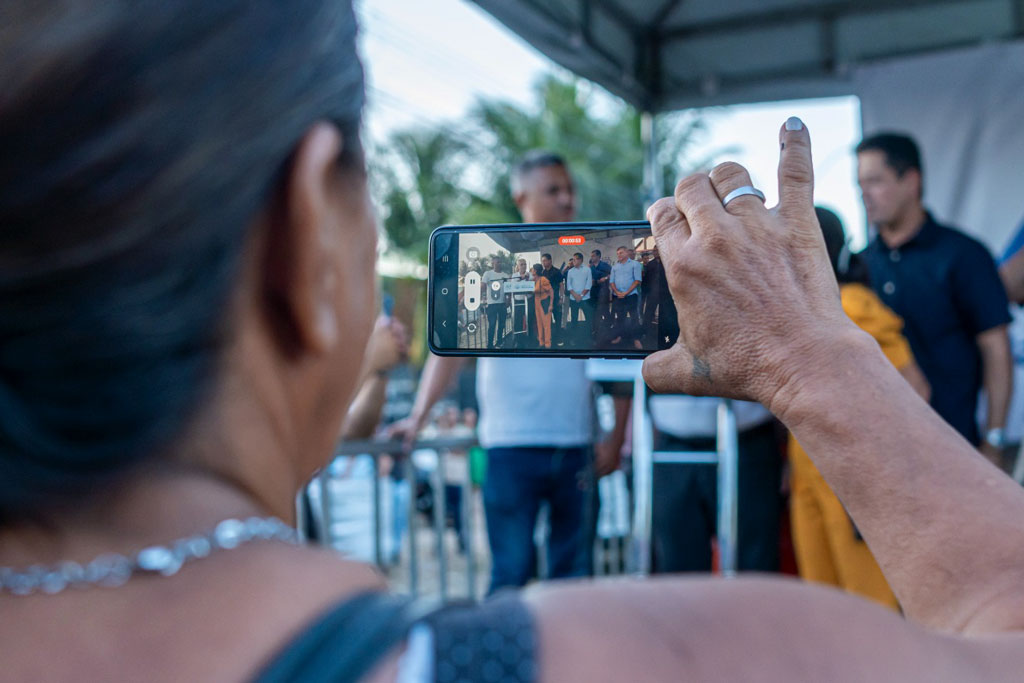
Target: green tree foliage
x=459 y=173
x=483 y=264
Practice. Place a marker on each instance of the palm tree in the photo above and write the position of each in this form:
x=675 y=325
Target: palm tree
x=419 y=183
x=459 y=173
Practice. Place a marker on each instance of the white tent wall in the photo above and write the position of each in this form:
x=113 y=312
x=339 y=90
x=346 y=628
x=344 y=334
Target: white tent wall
x=965 y=108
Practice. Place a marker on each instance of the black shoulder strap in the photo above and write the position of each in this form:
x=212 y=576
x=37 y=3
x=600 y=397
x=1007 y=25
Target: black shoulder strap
x=346 y=643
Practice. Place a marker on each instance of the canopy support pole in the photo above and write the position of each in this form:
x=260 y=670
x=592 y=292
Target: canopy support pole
x=653 y=176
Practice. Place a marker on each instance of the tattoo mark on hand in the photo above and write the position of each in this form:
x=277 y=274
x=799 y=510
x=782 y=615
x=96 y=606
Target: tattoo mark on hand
x=702 y=370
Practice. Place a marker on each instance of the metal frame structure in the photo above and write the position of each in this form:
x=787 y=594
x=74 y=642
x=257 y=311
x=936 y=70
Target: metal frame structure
x=662 y=55
x=726 y=457
x=375 y=449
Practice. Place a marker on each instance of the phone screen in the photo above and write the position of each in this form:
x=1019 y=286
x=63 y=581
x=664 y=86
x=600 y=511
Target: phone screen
x=553 y=289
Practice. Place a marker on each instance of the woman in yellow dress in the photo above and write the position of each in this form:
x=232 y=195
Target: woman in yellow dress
x=828 y=547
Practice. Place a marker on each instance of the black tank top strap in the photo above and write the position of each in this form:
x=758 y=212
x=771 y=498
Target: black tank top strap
x=346 y=643
x=493 y=641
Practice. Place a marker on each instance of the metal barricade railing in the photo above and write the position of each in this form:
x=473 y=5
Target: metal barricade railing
x=323 y=511
x=726 y=457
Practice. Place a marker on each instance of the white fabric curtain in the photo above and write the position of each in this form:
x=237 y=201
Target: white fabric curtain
x=965 y=108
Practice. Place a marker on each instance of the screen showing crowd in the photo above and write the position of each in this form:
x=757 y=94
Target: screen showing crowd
x=591 y=290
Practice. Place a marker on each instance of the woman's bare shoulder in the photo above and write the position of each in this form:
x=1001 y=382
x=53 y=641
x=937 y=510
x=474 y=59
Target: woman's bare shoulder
x=222 y=618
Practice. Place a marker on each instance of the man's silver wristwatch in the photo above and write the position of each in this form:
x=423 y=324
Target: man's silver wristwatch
x=996 y=437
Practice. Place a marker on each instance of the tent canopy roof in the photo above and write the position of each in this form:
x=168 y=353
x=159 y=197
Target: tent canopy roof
x=661 y=55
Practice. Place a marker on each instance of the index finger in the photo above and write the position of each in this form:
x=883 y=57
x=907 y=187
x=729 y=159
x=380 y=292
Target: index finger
x=796 y=170
x=699 y=203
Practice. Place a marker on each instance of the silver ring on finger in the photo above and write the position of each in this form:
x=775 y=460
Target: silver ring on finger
x=741 y=192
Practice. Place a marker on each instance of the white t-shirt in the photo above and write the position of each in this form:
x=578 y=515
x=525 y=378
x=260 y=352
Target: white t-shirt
x=534 y=402
x=494 y=296
x=694 y=417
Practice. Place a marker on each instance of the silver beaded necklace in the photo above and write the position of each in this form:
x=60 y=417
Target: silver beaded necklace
x=114 y=569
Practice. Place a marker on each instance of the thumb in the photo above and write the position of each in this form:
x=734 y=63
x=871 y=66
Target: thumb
x=674 y=371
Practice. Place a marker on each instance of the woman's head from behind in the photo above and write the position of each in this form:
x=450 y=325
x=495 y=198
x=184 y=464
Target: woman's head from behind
x=847 y=266
x=184 y=214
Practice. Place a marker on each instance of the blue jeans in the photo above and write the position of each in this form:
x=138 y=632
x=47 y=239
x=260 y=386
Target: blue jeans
x=518 y=480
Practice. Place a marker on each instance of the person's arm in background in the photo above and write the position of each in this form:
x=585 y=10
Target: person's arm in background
x=608 y=453
x=1012 y=275
x=438 y=374
x=981 y=301
x=997 y=378
x=388 y=346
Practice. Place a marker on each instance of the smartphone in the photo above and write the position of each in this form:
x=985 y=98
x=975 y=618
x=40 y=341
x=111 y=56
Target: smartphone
x=499 y=290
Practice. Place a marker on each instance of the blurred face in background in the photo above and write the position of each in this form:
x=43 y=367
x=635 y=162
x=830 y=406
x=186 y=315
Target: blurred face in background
x=547 y=196
x=888 y=197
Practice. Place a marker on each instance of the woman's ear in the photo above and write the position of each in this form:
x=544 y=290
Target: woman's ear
x=300 y=278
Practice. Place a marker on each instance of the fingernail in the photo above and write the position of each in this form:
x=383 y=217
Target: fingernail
x=793 y=123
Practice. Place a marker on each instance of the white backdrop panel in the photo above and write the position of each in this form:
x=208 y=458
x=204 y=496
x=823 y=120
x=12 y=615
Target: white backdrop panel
x=965 y=108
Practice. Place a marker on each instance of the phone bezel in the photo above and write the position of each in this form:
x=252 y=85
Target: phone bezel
x=525 y=353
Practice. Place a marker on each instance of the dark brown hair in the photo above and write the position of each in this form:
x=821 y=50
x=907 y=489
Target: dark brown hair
x=138 y=140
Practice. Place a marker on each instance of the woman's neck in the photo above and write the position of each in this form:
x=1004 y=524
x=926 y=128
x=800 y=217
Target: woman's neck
x=159 y=505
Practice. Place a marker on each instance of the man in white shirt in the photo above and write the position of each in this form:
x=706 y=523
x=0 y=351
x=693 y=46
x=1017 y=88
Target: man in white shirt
x=536 y=422
x=494 y=281
x=578 y=283
x=685 y=496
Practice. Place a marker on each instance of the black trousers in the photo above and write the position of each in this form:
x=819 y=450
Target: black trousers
x=685 y=506
x=496 y=316
x=556 y=318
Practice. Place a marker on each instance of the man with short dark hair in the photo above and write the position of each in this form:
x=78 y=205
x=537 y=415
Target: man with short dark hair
x=578 y=283
x=536 y=422
x=625 y=282
x=494 y=282
x=945 y=286
x=599 y=272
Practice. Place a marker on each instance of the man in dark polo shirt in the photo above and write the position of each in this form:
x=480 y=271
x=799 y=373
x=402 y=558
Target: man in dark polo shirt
x=945 y=286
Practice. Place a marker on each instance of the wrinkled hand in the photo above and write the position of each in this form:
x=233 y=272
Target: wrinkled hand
x=388 y=345
x=755 y=293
